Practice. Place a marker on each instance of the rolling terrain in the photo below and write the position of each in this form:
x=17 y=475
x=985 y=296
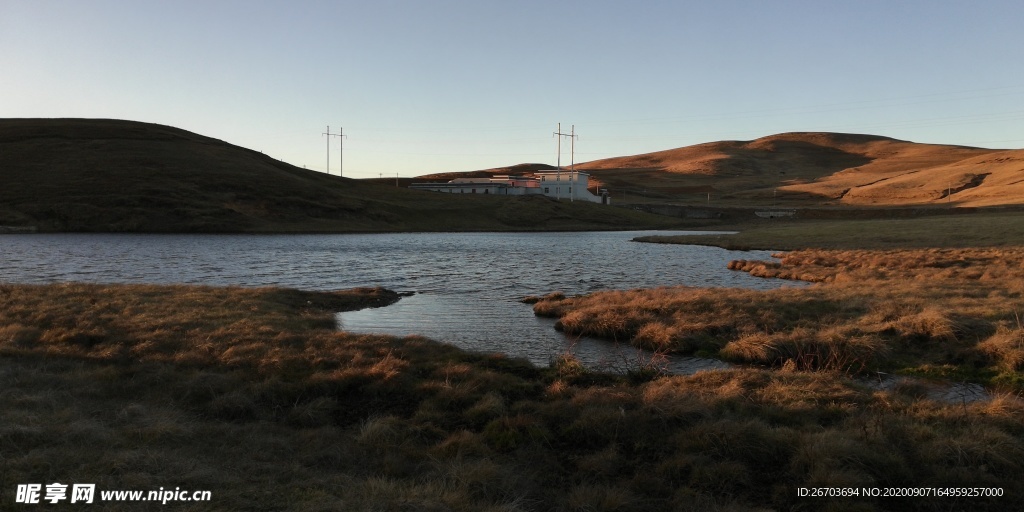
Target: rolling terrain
x=820 y=169
x=124 y=176
x=121 y=176
x=807 y=170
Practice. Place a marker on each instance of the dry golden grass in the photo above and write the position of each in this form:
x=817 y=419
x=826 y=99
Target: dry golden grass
x=871 y=310
x=253 y=395
x=989 y=179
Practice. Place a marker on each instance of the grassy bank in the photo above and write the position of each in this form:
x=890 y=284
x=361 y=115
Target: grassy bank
x=251 y=394
x=952 y=312
x=983 y=229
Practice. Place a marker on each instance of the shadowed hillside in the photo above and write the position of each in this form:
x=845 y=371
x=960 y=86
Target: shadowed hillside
x=817 y=169
x=109 y=175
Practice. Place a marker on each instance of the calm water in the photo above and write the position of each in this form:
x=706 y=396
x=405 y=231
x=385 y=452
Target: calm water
x=466 y=286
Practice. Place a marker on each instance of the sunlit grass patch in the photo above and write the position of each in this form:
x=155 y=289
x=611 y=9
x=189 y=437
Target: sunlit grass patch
x=1005 y=348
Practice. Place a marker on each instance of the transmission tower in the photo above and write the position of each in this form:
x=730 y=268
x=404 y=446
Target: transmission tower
x=341 y=149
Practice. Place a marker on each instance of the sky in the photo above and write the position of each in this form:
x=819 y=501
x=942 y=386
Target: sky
x=430 y=86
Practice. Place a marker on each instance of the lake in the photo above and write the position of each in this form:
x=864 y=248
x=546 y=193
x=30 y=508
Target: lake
x=466 y=286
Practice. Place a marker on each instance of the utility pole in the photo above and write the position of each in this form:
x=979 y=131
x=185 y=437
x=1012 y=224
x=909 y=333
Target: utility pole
x=341 y=152
x=572 y=163
x=329 y=135
x=558 y=135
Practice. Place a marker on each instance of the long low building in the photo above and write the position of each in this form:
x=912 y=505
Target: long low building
x=572 y=185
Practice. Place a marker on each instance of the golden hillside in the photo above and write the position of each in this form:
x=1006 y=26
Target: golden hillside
x=805 y=169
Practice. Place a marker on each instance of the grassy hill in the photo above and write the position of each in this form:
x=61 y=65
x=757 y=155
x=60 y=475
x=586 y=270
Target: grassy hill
x=111 y=175
x=817 y=169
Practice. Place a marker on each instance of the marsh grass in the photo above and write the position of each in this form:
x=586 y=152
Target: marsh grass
x=252 y=394
x=888 y=310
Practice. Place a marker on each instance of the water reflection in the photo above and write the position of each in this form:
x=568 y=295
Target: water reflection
x=939 y=391
x=468 y=288
x=507 y=326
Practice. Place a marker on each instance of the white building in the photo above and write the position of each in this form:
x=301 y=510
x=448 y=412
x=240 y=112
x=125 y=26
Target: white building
x=566 y=185
x=560 y=184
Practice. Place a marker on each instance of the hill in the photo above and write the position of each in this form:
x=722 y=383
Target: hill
x=817 y=169
x=112 y=175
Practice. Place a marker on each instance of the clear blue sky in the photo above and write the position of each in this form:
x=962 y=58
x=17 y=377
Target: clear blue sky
x=432 y=86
